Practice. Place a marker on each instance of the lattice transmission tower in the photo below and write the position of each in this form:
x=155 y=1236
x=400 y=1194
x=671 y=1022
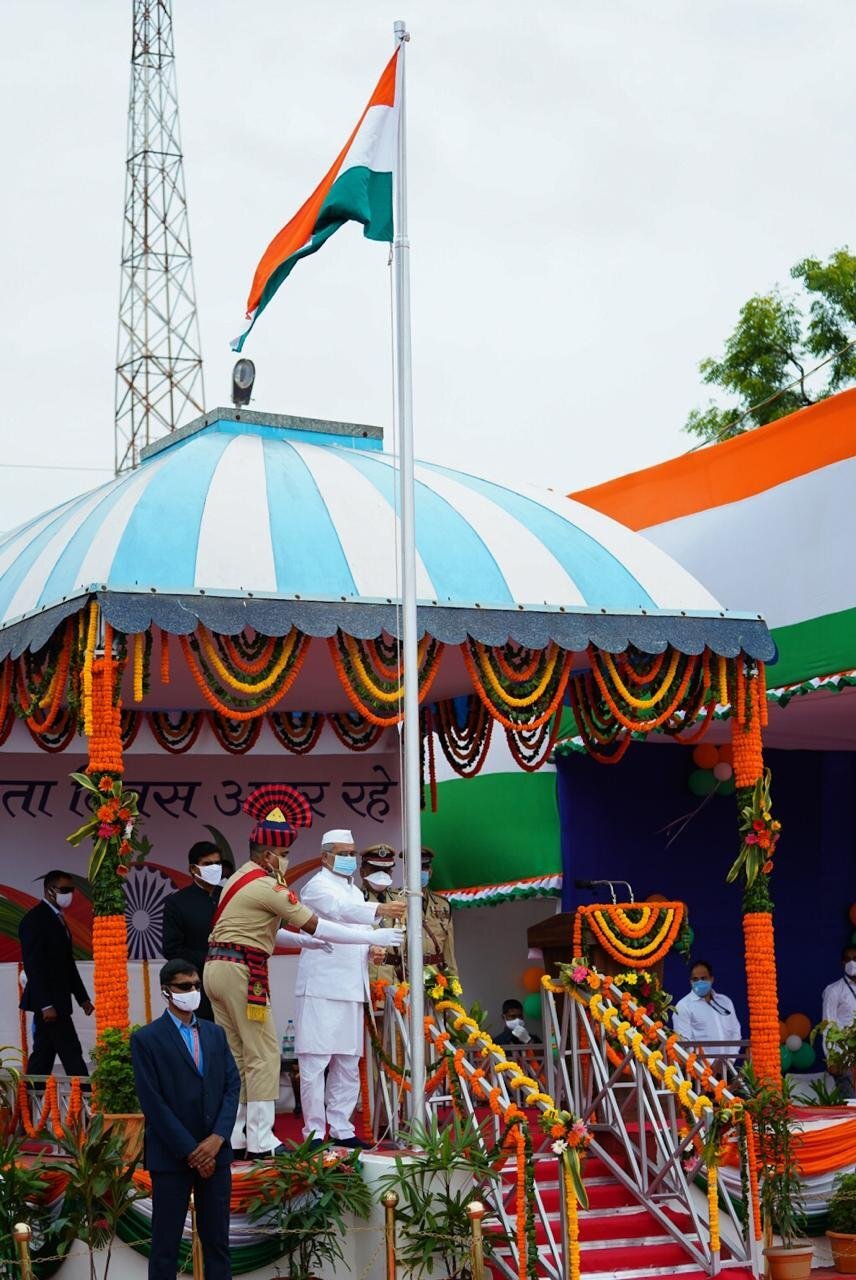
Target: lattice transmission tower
x=159 y=359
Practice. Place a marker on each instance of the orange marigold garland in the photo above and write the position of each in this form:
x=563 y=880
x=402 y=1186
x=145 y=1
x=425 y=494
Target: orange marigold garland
x=762 y=995
x=110 y=956
x=759 y=834
x=636 y=942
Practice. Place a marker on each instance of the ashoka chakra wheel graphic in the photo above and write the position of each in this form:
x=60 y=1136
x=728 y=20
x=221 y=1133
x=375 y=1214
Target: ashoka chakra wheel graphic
x=146 y=891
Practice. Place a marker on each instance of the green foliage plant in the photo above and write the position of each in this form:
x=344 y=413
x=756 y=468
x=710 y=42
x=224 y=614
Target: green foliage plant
x=769 y=365
x=100 y=1190
x=449 y=1168
x=113 y=1076
x=779 y=1185
x=307 y=1193
x=842 y=1205
x=22 y=1189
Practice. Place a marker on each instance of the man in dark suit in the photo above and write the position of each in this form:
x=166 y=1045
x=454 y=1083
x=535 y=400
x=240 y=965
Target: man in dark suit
x=188 y=1086
x=187 y=914
x=52 y=979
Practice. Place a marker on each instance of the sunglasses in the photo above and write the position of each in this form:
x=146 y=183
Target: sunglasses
x=185 y=986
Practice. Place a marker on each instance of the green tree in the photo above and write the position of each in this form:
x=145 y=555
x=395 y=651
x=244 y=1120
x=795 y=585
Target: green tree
x=769 y=365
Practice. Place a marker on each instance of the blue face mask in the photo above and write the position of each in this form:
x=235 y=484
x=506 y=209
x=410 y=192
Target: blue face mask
x=345 y=864
x=424 y=878
x=701 y=986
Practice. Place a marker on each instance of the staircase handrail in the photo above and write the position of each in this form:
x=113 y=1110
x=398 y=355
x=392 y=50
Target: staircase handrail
x=629 y=1034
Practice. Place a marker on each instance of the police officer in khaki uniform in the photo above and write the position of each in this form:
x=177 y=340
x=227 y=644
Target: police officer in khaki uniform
x=438 y=934
x=376 y=866
x=253 y=905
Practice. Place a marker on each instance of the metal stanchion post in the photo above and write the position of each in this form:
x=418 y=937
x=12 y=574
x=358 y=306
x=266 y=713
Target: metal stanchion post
x=476 y=1211
x=22 y=1236
x=389 y=1201
x=195 y=1244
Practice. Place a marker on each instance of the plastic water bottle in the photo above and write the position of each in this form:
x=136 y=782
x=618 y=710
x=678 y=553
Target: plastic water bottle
x=288 y=1040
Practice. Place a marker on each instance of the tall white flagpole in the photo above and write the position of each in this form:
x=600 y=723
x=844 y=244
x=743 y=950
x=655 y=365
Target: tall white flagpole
x=409 y=647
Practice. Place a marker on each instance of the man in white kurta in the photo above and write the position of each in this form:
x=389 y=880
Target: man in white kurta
x=839 y=1008
x=330 y=993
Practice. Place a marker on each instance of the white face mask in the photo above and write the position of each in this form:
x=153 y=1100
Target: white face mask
x=186 y=1001
x=850 y=968
x=378 y=879
x=511 y=1023
x=64 y=900
x=211 y=874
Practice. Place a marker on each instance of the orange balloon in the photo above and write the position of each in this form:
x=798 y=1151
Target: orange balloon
x=531 y=977
x=798 y=1025
x=783 y=1032
x=726 y=753
x=656 y=897
x=852 y=914
x=705 y=755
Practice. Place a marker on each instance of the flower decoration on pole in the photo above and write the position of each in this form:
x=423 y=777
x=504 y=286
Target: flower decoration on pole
x=759 y=831
x=113 y=826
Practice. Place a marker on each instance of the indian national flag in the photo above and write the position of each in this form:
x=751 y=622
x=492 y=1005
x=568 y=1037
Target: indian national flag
x=356 y=188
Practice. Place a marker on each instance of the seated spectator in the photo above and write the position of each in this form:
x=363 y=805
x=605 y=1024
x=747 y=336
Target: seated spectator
x=704 y=1016
x=514 y=1032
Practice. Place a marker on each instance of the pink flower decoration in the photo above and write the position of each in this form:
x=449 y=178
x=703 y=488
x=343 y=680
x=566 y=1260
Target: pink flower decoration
x=579 y=973
x=105 y=831
x=579 y=1128
x=751 y=839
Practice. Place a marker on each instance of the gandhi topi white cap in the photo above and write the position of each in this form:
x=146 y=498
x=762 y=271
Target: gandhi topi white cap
x=337 y=836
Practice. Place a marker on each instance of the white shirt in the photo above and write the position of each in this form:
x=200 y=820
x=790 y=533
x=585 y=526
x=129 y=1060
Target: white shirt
x=702 y=1021
x=340 y=974
x=839 y=1002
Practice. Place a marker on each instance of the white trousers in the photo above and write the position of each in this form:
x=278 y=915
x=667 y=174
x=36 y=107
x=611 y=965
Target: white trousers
x=342 y=1093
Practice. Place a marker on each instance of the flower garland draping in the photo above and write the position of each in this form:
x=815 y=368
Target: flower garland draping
x=235 y=692
x=175 y=732
x=636 y=934
x=531 y=748
x=631 y=693
x=235 y=736
x=521 y=688
x=464 y=728
x=297 y=731
x=374 y=685
x=355 y=731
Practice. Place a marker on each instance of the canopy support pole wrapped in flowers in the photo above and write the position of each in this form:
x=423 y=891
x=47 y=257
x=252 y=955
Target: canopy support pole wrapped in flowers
x=759 y=834
x=111 y=826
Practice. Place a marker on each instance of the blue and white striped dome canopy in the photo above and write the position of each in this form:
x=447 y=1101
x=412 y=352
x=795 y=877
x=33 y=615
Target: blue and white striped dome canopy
x=264 y=521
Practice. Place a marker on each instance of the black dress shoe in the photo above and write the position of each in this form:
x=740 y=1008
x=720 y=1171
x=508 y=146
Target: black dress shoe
x=354 y=1143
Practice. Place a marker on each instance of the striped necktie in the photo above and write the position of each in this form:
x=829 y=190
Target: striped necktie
x=194 y=1033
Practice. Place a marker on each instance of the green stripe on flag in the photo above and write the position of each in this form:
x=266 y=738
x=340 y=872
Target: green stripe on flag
x=494 y=828
x=817 y=647
x=358 y=195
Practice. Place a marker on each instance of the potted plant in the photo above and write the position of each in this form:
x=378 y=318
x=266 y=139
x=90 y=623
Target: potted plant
x=99 y=1192
x=115 y=1090
x=24 y=1189
x=839 y=1045
x=779 y=1184
x=10 y=1079
x=842 y=1223
x=304 y=1198
x=449 y=1167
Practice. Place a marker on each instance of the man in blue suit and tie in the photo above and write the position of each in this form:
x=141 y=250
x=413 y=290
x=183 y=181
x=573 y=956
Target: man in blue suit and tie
x=188 y=1086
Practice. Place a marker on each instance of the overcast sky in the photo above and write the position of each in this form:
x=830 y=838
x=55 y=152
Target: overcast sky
x=595 y=188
